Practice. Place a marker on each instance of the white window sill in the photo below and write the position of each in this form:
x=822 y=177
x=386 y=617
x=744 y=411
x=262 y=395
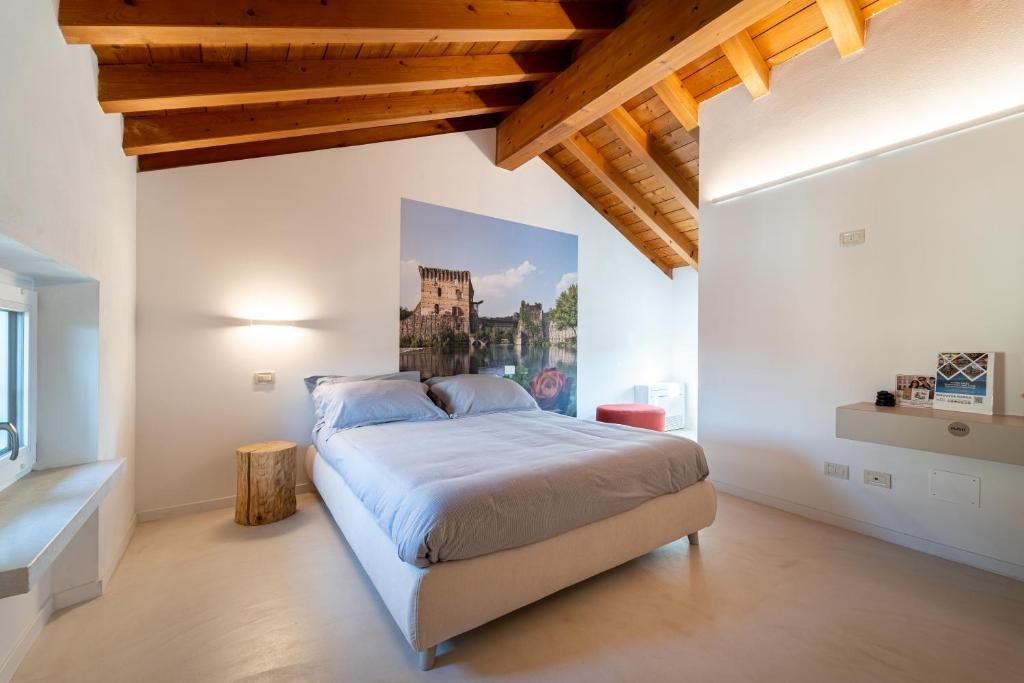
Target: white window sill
x=41 y=513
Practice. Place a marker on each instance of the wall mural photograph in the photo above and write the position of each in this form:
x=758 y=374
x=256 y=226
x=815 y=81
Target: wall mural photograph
x=489 y=296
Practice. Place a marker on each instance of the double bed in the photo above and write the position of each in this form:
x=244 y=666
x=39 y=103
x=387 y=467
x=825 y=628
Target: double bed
x=460 y=521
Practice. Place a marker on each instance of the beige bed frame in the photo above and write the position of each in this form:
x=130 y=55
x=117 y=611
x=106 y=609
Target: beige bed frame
x=433 y=604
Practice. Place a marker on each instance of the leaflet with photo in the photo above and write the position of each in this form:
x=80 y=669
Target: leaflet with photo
x=915 y=391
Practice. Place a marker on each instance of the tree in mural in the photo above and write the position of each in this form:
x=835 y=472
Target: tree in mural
x=564 y=312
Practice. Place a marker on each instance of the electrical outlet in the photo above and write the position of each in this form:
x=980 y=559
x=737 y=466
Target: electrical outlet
x=836 y=470
x=883 y=479
x=852 y=238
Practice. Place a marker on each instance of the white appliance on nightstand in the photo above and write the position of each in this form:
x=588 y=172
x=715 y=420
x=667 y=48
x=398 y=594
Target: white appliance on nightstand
x=669 y=395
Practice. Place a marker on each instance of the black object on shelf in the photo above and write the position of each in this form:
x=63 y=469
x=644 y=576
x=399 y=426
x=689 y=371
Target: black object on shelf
x=886 y=399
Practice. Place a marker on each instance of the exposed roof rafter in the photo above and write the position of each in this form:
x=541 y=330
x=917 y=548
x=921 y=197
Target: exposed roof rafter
x=311 y=143
x=650 y=45
x=679 y=101
x=154 y=134
x=595 y=162
x=615 y=221
x=149 y=87
x=642 y=147
x=846 y=24
x=746 y=59
x=272 y=22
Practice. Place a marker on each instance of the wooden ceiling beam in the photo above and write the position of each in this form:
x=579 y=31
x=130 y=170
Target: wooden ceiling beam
x=155 y=134
x=615 y=221
x=310 y=143
x=678 y=100
x=640 y=145
x=658 y=38
x=596 y=163
x=149 y=87
x=272 y=22
x=750 y=66
x=845 y=22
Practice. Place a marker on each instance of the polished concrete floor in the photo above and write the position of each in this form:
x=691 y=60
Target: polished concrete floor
x=768 y=596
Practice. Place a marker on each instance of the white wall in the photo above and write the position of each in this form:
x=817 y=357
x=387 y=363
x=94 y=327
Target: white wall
x=684 y=338
x=68 y=382
x=315 y=237
x=792 y=325
x=927 y=65
x=67 y=192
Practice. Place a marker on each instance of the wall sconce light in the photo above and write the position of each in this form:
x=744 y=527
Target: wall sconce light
x=272 y=323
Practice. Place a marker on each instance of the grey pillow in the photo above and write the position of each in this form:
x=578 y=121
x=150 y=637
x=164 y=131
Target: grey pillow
x=359 y=403
x=462 y=395
x=314 y=380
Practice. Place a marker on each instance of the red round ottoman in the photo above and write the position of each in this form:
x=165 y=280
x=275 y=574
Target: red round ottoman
x=634 y=415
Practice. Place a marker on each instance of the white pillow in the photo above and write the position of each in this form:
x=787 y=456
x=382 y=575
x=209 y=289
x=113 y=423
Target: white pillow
x=463 y=395
x=344 y=405
x=313 y=381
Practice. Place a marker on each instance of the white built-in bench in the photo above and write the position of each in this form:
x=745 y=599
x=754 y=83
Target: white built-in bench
x=41 y=513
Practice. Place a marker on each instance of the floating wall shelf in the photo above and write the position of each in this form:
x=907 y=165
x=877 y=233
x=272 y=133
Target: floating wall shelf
x=999 y=438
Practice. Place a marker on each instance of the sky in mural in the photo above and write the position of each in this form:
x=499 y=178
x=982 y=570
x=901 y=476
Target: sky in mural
x=509 y=261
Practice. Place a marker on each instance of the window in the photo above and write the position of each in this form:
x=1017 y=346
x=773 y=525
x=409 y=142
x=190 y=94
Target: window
x=456 y=311
x=17 y=311
x=437 y=309
x=458 y=293
x=439 y=291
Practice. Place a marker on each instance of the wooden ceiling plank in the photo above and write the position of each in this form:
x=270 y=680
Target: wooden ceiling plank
x=260 y=22
x=781 y=37
x=145 y=135
x=748 y=62
x=845 y=21
x=147 y=87
x=613 y=219
x=679 y=101
x=599 y=166
x=651 y=44
x=711 y=77
x=309 y=143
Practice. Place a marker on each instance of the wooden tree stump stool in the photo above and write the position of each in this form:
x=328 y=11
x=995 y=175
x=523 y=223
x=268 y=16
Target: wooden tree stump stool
x=266 y=482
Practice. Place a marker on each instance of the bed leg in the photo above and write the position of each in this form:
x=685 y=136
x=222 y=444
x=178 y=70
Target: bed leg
x=426 y=658
x=694 y=538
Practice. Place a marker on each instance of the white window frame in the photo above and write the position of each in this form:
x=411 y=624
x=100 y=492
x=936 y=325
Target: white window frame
x=22 y=298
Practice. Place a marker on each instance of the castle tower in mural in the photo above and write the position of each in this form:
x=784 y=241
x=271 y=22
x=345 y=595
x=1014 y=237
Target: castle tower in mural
x=446 y=306
x=449 y=293
x=534 y=325
x=447 y=314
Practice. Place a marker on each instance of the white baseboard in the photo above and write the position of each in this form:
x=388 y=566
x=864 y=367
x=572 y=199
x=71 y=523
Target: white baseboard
x=947 y=552
x=202 y=506
x=28 y=636
x=76 y=595
x=121 y=550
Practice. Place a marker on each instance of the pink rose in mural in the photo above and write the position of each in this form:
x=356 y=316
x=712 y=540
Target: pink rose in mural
x=550 y=387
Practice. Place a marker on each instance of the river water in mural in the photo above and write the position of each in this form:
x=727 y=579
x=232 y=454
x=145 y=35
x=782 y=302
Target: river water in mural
x=488 y=296
x=522 y=365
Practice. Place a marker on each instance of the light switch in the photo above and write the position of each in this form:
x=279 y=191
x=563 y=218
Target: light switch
x=264 y=378
x=852 y=238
